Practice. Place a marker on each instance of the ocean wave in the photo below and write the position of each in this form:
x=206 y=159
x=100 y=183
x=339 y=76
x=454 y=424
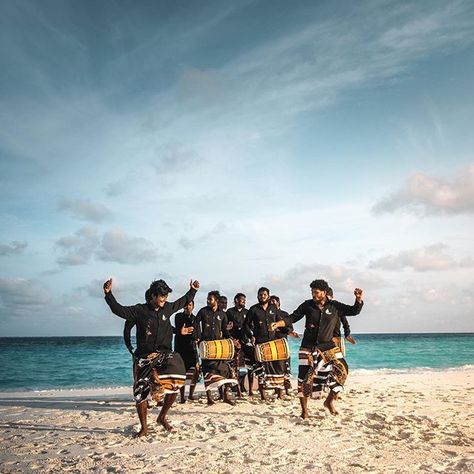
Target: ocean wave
x=410 y=370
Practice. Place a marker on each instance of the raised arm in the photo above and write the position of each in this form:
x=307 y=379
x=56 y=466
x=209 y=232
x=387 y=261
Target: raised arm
x=125 y=312
x=180 y=303
x=348 y=310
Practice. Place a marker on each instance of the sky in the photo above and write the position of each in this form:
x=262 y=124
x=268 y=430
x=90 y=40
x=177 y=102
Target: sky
x=243 y=144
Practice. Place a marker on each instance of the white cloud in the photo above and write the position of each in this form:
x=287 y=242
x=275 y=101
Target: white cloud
x=117 y=246
x=85 y=210
x=429 y=258
x=78 y=249
x=425 y=195
x=23 y=296
x=13 y=248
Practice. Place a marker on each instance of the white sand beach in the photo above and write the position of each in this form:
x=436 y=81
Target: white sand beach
x=387 y=423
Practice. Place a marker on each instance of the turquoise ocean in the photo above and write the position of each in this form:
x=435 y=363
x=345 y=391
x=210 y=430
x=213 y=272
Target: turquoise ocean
x=35 y=364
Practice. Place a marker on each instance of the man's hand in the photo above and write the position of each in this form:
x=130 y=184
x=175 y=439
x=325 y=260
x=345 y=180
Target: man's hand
x=358 y=294
x=236 y=343
x=194 y=284
x=294 y=334
x=108 y=286
x=351 y=340
x=186 y=331
x=252 y=340
x=278 y=324
x=230 y=325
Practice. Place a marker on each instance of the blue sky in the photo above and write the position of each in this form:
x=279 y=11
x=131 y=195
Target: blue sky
x=244 y=144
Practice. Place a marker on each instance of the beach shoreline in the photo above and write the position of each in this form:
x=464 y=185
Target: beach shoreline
x=387 y=423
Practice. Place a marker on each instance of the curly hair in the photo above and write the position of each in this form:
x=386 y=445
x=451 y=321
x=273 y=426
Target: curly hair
x=159 y=288
x=214 y=293
x=321 y=285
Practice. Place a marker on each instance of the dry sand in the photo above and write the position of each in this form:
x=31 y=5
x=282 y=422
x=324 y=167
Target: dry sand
x=387 y=423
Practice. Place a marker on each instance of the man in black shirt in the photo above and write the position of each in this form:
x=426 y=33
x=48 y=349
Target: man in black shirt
x=129 y=325
x=321 y=361
x=284 y=332
x=185 y=346
x=159 y=370
x=211 y=325
x=236 y=318
x=223 y=303
x=258 y=326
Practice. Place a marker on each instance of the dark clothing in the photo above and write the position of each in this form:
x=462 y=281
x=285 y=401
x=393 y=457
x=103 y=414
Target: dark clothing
x=154 y=330
x=184 y=345
x=237 y=318
x=210 y=325
x=284 y=331
x=345 y=325
x=127 y=335
x=258 y=322
x=320 y=325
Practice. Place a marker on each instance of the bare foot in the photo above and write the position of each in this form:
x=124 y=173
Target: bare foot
x=210 y=402
x=229 y=400
x=329 y=404
x=164 y=422
x=192 y=397
x=182 y=400
x=141 y=433
x=304 y=415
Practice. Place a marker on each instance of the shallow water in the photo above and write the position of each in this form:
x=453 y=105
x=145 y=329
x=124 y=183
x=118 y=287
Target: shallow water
x=100 y=362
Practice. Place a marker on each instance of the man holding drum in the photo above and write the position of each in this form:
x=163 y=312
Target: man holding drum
x=321 y=360
x=216 y=348
x=258 y=326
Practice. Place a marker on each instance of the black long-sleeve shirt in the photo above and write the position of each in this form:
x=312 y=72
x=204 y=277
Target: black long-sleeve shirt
x=284 y=331
x=237 y=318
x=154 y=330
x=127 y=335
x=345 y=325
x=257 y=323
x=211 y=325
x=181 y=342
x=321 y=324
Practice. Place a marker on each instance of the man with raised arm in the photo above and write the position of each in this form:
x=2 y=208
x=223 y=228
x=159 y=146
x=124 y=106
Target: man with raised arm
x=321 y=361
x=159 y=371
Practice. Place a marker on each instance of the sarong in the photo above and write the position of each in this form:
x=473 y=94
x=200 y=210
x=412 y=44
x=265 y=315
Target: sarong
x=217 y=373
x=158 y=374
x=270 y=374
x=190 y=360
x=320 y=370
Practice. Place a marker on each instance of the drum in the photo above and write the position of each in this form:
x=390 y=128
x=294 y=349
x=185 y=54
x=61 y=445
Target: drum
x=272 y=350
x=220 y=349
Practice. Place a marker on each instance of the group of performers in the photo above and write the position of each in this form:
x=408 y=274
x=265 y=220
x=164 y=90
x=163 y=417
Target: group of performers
x=232 y=346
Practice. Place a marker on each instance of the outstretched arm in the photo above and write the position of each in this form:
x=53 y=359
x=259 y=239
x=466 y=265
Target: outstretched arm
x=184 y=300
x=126 y=312
x=353 y=310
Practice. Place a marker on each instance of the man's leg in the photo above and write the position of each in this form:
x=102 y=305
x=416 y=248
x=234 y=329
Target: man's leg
x=193 y=384
x=304 y=407
x=169 y=400
x=329 y=403
x=210 y=401
x=250 y=377
x=182 y=396
x=141 y=410
x=227 y=398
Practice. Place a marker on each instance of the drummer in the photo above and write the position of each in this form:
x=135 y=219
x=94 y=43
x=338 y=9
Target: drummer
x=271 y=375
x=210 y=325
x=283 y=333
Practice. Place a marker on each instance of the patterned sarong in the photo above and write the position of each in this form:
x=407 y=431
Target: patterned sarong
x=270 y=374
x=158 y=374
x=319 y=370
x=217 y=373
